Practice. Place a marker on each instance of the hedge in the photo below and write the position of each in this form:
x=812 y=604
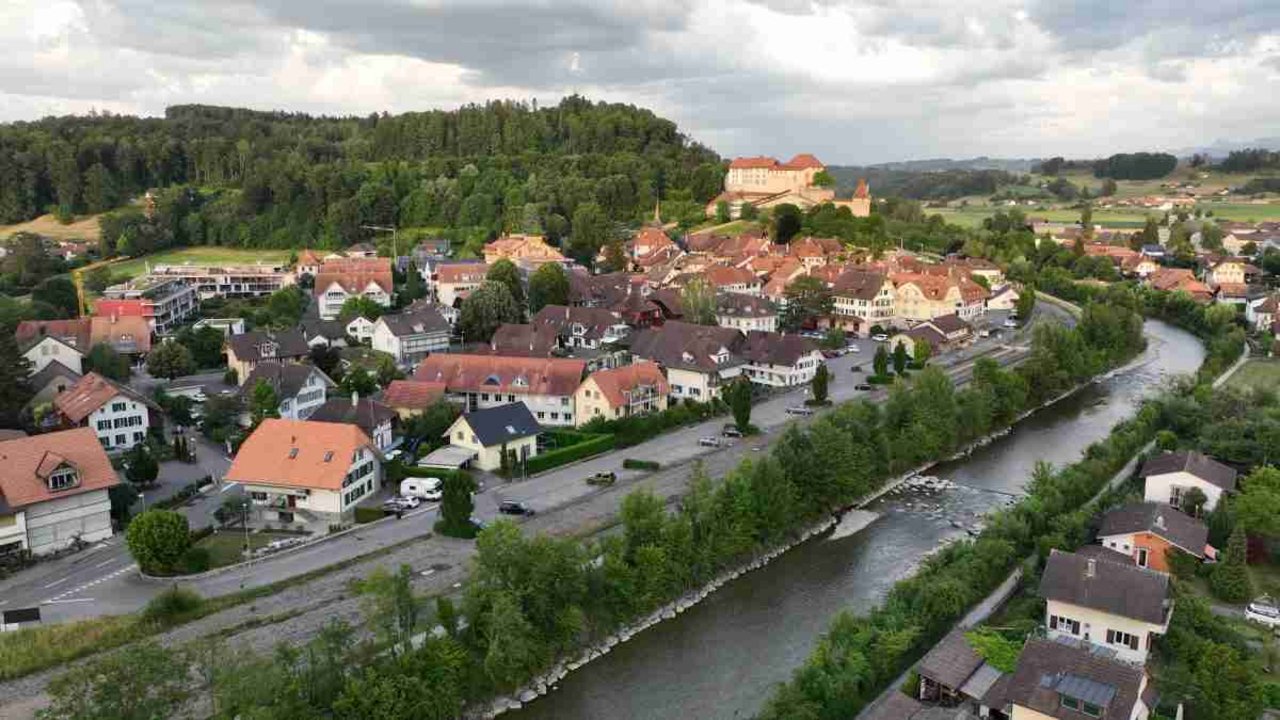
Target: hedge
x=636 y=429
x=368 y=514
x=562 y=456
x=634 y=464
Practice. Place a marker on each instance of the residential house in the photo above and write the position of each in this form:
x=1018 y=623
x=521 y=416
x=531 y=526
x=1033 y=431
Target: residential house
x=861 y=300
x=526 y=251
x=1169 y=476
x=522 y=340
x=324 y=333
x=53 y=492
x=360 y=329
x=361 y=250
x=308 y=263
x=411 y=335
x=304 y=470
x=779 y=360
x=300 y=389
x=164 y=302
x=455 y=280
x=490 y=432
x=726 y=279
x=582 y=327
x=371 y=416
x=1230 y=271
x=127 y=335
x=814 y=252
x=1003 y=298
x=344 y=278
x=978 y=267
x=64 y=342
x=922 y=296
x=746 y=313
x=765 y=182
x=1140 y=266
x=922 y=333
x=411 y=397
x=1068 y=680
x=953 y=673
x=52 y=380
x=699 y=359
x=1263 y=312
x=116 y=413
x=651 y=247
x=620 y=392
x=1180 y=280
x=246 y=350
x=1113 y=604
x=1149 y=532
x=545 y=385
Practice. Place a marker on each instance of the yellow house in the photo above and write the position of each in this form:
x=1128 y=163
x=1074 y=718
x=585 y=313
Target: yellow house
x=622 y=392
x=488 y=433
x=918 y=296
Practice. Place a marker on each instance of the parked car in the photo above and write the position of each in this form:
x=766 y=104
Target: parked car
x=864 y=387
x=392 y=455
x=1263 y=610
x=984 y=333
x=799 y=410
x=477 y=523
x=856 y=368
x=603 y=478
x=512 y=507
x=710 y=441
x=730 y=431
x=1011 y=322
x=853 y=349
x=422 y=488
x=880 y=337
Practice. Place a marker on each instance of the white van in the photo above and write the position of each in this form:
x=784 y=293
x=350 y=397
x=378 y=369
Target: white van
x=424 y=488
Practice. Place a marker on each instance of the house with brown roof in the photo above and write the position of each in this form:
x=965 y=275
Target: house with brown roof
x=1263 y=312
x=1180 y=280
x=779 y=359
x=954 y=674
x=524 y=340
x=53 y=380
x=455 y=280
x=53 y=492
x=624 y=391
x=528 y=251
x=582 y=327
x=545 y=385
x=127 y=335
x=343 y=278
x=303 y=470
x=1070 y=680
x=924 y=296
x=118 y=415
x=1148 y=533
x=246 y=350
x=814 y=252
x=746 y=313
x=62 y=341
x=371 y=416
x=861 y=300
x=410 y=397
x=308 y=263
x=698 y=359
x=1114 y=604
x=300 y=388
x=728 y=279
x=1168 y=477
x=411 y=335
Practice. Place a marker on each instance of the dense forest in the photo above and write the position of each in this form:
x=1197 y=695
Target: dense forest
x=923 y=185
x=271 y=179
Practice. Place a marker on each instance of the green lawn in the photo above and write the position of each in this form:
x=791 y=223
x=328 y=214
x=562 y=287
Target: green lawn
x=196 y=256
x=1258 y=373
x=226 y=548
x=973 y=215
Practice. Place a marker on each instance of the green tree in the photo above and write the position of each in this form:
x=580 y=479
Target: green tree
x=98 y=279
x=512 y=644
x=14 y=388
x=413 y=287
x=590 y=232
x=1108 y=188
x=821 y=379
x=880 y=363
x=104 y=360
x=807 y=298
x=390 y=607
x=822 y=178
x=1230 y=579
x=505 y=272
x=723 y=214
x=487 y=307
x=60 y=293
x=170 y=359
x=900 y=358
x=833 y=339
x=1026 y=303
x=456 y=506
x=285 y=306
x=157 y=539
x=787 y=222
x=205 y=345
x=359 y=306
x=748 y=211
x=738 y=395
x=141 y=467
x=263 y=403
x=142 y=681
x=548 y=285
x=698 y=301
x=923 y=351
x=358 y=381
x=1257 y=507
x=615 y=258
x=1193 y=501
x=221 y=415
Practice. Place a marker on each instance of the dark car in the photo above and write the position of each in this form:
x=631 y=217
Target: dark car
x=511 y=507
x=864 y=387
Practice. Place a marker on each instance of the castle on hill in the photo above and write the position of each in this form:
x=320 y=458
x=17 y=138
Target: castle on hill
x=763 y=182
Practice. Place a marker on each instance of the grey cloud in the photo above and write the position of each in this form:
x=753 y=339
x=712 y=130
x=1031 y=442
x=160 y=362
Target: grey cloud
x=1169 y=27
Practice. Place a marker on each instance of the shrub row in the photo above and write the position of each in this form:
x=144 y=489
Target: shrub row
x=561 y=456
x=636 y=429
x=634 y=464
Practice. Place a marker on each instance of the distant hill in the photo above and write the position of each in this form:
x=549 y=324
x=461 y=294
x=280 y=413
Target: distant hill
x=942 y=183
x=977 y=163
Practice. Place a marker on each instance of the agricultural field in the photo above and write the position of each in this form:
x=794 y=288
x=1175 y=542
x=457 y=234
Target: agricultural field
x=134 y=267
x=1258 y=373
x=85 y=228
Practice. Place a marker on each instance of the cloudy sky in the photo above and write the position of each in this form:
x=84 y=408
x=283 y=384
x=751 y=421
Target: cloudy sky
x=854 y=82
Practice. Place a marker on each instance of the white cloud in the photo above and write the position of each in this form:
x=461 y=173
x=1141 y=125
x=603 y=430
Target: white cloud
x=853 y=82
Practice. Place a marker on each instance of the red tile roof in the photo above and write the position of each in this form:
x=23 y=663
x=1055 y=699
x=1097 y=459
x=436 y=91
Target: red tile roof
x=124 y=332
x=28 y=462
x=722 y=275
x=803 y=161
x=861 y=191
x=754 y=162
x=495 y=373
x=616 y=383
x=453 y=273
x=74 y=332
x=355 y=274
x=90 y=393
x=267 y=456
x=412 y=394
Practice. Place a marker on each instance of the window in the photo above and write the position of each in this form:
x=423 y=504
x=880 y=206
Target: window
x=1064 y=624
x=1115 y=637
x=1142 y=556
x=511 y=398
x=459 y=434
x=1090 y=710
x=118 y=407
x=541 y=415
x=564 y=401
x=121 y=439
x=259 y=496
x=137 y=437
x=1070 y=703
x=63 y=478
x=555 y=416
x=484 y=397
x=328 y=455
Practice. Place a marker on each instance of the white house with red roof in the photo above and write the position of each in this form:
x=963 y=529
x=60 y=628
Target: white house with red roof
x=343 y=278
x=117 y=414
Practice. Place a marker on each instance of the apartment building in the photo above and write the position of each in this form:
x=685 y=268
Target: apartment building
x=164 y=302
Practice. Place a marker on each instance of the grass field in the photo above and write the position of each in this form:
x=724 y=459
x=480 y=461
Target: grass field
x=1258 y=373
x=196 y=256
x=47 y=225
x=973 y=215
x=225 y=548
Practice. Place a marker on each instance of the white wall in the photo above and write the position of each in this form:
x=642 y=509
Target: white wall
x=54 y=524
x=48 y=350
x=120 y=423
x=1094 y=626
x=311 y=396
x=556 y=410
x=1160 y=488
x=14 y=529
x=785 y=375
x=322 y=501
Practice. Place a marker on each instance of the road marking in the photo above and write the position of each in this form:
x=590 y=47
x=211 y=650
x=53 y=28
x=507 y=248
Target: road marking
x=90 y=584
x=57 y=582
x=106 y=562
x=69 y=600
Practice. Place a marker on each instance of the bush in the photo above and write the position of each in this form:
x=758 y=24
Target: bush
x=369 y=514
x=158 y=539
x=194 y=560
x=565 y=455
x=880 y=379
x=173 y=605
x=634 y=464
x=636 y=429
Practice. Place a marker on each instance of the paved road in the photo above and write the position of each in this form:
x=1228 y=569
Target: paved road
x=100 y=581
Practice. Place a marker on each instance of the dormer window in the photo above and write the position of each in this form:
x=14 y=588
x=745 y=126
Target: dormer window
x=63 y=478
x=492 y=380
x=520 y=381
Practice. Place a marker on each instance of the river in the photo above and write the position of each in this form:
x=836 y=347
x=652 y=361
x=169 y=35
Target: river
x=721 y=658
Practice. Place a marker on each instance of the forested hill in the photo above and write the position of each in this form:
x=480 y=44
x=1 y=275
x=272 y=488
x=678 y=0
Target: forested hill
x=274 y=179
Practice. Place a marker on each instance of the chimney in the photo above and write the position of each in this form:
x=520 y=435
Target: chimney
x=1090 y=568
